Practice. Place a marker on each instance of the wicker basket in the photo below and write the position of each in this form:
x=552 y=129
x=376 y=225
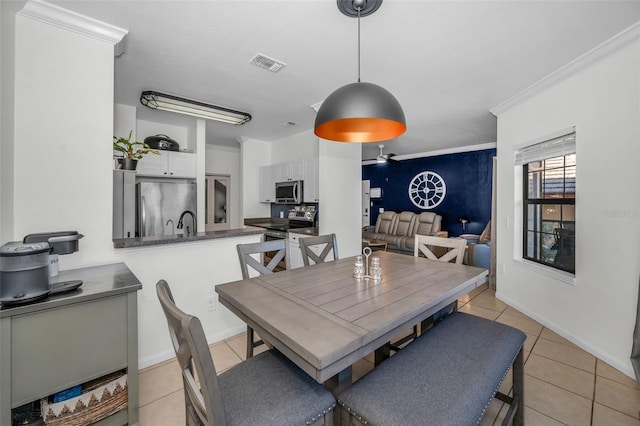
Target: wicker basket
x=101 y=398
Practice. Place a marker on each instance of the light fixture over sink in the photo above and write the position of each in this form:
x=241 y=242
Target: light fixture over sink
x=360 y=112
x=172 y=103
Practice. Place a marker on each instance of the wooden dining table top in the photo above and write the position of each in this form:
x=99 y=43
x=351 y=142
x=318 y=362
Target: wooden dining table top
x=324 y=320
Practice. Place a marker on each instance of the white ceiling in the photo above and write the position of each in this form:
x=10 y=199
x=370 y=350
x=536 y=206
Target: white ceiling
x=447 y=62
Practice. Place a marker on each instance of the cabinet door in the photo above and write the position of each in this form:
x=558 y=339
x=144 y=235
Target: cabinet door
x=295 y=255
x=153 y=165
x=296 y=169
x=266 y=185
x=311 y=189
x=282 y=172
x=181 y=164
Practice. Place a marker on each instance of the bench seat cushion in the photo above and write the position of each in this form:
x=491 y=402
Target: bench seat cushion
x=447 y=376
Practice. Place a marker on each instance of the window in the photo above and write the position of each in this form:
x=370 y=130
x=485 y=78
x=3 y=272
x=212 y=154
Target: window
x=549 y=196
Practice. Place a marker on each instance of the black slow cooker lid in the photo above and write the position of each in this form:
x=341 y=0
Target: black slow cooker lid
x=163 y=142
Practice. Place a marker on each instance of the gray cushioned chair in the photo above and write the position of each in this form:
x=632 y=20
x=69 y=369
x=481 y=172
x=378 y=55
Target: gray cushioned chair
x=267 y=389
x=279 y=251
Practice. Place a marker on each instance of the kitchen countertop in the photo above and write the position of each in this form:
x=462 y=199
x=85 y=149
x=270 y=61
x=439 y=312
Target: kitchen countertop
x=97 y=282
x=181 y=238
x=266 y=222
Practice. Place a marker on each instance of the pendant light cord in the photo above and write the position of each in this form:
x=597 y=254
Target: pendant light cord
x=358 y=45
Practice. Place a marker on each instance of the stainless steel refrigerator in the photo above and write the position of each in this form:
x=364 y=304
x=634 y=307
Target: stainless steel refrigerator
x=159 y=205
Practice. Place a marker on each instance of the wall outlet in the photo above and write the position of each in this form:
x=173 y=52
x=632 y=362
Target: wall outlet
x=212 y=303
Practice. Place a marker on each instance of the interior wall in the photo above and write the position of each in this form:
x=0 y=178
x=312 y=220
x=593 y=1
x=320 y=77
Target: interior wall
x=7 y=40
x=467 y=176
x=301 y=145
x=222 y=160
x=598 y=310
x=340 y=171
x=63 y=135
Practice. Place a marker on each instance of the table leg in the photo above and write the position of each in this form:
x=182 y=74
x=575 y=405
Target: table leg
x=336 y=385
x=381 y=354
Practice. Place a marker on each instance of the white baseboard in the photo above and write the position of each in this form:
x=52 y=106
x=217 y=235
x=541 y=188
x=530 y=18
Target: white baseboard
x=627 y=369
x=169 y=353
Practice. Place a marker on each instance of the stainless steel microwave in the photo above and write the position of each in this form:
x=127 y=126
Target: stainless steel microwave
x=289 y=192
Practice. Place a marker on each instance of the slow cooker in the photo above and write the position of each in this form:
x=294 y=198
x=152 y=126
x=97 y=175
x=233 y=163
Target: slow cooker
x=24 y=272
x=162 y=142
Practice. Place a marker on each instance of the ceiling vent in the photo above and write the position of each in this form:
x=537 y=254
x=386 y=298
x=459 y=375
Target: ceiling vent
x=267 y=63
x=289 y=124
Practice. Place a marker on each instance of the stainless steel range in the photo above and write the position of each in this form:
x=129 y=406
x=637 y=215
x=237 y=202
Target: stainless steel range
x=299 y=217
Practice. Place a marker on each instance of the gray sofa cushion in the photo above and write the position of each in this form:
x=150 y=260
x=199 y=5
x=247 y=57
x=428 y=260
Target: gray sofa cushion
x=263 y=390
x=445 y=377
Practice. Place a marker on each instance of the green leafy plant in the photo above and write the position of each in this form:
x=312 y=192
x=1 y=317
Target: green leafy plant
x=132 y=149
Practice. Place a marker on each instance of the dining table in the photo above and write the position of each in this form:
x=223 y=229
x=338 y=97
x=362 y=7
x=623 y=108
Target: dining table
x=324 y=320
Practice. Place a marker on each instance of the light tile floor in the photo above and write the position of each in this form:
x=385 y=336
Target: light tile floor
x=564 y=385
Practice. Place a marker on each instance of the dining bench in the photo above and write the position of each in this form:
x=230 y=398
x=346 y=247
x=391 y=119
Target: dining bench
x=447 y=376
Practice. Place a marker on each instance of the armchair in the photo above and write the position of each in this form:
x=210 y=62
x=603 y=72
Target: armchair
x=479 y=248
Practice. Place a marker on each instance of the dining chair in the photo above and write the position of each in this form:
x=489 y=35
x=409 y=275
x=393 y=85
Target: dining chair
x=267 y=389
x=326 y=243
x=247 y=255
x=443 y=250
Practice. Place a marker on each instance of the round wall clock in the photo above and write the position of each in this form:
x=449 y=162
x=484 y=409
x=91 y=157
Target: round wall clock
x=427 y=190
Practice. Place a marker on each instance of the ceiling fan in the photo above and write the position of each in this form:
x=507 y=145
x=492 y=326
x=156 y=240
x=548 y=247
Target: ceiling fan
x=383 y=158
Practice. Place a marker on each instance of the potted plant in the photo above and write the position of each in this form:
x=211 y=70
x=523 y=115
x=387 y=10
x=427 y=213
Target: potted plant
x=132 y=151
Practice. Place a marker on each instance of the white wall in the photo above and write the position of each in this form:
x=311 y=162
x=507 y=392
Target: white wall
x=7 y=27
x=253 y=154
x=224 y=160
x=301 y=145
x=602 y=100
x=340 y=174
x=63 y=180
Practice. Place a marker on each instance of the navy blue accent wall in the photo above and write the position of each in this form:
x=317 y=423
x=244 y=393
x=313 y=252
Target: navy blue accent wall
x=468 y=179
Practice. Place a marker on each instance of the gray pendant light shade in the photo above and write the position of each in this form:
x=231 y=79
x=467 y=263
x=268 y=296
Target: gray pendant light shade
x=360 y=112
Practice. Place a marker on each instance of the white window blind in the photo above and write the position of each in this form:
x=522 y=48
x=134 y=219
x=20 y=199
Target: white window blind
x=562 y=143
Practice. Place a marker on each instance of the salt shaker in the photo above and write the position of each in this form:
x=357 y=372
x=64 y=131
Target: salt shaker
x=376 y=269
x=358 y=268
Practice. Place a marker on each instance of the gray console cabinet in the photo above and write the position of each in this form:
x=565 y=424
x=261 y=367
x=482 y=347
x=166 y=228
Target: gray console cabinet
x=69 y=339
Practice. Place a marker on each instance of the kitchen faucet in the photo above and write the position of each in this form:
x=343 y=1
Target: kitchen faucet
x=173 y=231
x=193 y=218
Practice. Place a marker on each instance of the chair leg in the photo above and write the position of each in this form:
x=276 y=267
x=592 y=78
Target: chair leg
x=249 y=342
x=518 y=388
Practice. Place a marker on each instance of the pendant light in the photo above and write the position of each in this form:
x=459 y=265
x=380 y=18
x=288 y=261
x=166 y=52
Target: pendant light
x=360 y=112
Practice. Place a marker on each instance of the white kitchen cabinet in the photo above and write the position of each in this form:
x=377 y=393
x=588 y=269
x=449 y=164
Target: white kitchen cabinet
x=295 y=255
x=266 y=185
x=289 y=170
x=168 y=164
x=311 y=191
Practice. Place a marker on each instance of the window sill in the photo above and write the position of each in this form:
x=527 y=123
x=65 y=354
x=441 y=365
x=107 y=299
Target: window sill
x=556 y=274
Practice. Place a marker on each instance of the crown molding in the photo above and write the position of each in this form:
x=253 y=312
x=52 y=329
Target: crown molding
x=615 y=43
x=468 y=148
x=51 y=14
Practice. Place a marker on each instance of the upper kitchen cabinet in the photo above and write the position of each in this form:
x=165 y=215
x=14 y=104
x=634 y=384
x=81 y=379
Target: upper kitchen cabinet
x=168 y=164
x=311 y=190
x=289 y=170
x=266 y=185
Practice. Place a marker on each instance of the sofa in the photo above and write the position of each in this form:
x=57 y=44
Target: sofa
x=398 y=230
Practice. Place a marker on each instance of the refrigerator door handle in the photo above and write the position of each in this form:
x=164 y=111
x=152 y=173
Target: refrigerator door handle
x=143 y=214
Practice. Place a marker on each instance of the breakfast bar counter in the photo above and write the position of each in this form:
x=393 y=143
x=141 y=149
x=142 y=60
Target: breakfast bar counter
x=181 y=238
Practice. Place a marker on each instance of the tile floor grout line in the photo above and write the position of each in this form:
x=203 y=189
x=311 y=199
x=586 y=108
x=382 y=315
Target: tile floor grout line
x=593 y=394
x=556 y=386
x=564 y=363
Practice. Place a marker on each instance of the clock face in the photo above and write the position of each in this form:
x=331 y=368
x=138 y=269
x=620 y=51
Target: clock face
x=427 y=190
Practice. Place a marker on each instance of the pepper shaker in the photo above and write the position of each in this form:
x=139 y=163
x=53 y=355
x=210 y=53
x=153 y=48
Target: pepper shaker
x=376 y=269
x=358 y=268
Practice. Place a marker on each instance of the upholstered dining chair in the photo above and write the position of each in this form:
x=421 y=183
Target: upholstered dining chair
x=246 y=254
x=443 y=250
x=267 y=389
x=326 y=243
